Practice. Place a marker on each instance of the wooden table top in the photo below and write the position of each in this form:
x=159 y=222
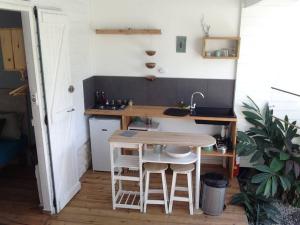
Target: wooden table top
x=164 y=138
x=152 y=111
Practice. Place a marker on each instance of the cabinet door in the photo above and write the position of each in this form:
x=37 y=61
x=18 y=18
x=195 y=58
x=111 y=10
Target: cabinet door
x=18 y=49
x=7 y=50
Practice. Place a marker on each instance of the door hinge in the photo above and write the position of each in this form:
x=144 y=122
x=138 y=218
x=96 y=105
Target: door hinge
x=46 y=120
x=35 y=12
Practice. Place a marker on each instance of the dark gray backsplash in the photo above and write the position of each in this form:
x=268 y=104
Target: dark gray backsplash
x=162 y=91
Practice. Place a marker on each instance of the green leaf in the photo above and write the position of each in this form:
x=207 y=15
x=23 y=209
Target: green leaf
x=263 y=168
x=274 y=186
x=261 y=187
x=285 y=183
x=258 y=131
x=253 y=103
x=247 y=106
x=258 y=178
x=284 y=156
x=256 y=156
x=276 y=165
x=255 y=122
x=267 y=191
x=252 y=115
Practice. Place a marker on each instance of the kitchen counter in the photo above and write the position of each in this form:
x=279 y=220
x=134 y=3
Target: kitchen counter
x=158 y=112
x=152 y=111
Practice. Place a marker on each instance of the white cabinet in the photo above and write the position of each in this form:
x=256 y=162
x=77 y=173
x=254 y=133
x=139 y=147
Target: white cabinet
x=100 y=131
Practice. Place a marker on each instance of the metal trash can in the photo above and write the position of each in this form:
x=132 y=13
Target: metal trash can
x=213 y=195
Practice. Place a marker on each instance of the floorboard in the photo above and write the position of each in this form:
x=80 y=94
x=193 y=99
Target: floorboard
x=92 y=206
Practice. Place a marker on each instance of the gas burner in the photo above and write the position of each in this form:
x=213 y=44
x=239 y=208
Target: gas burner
x=111 y=107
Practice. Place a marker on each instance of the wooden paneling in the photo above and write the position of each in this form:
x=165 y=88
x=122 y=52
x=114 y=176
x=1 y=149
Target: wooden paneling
x=18 y=49
x=7 y=49
x=13 y=52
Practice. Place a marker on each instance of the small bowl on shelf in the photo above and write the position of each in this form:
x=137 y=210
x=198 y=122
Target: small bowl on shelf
x=150 y=65
x=150 y=52
x=150 y=77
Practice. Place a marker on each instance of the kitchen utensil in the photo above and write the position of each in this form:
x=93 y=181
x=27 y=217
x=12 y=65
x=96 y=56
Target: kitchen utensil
x=177 y=151
x=208 y=148
x=222 y=148
x=150 y=65
x=150 y=52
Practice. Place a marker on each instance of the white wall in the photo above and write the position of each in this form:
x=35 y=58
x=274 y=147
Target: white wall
x=124 y=55
x=80 y=34
x=269 y=57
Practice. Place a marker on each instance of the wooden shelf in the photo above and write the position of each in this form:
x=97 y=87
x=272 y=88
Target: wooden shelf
x=215 y=153
x=129 y=31
x=229 y=43
x=222 y=57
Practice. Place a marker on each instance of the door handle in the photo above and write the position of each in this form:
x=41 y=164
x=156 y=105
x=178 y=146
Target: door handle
x=71 y=110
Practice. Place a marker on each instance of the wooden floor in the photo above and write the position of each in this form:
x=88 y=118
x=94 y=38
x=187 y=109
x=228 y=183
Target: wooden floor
x=92 y=205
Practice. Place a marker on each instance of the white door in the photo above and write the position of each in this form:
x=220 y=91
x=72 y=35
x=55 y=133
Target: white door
x=54 y=43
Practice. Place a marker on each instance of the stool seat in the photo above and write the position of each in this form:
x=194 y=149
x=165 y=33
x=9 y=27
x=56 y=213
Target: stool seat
x=182 y=168
x=155 y=167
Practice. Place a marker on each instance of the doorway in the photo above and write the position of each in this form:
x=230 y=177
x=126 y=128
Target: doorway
x=18 y=154
x=25 y=105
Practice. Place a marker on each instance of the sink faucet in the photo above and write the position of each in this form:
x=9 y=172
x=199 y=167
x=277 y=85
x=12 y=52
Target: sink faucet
x=193 y=105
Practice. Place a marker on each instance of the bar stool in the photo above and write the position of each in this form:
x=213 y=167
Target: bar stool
x=156 y=168
x=187 y=170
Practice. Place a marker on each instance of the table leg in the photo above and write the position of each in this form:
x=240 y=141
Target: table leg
x=197 y=191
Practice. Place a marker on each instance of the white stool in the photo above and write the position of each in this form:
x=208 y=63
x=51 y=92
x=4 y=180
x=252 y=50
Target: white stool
x=182 y=169
x=156 y=168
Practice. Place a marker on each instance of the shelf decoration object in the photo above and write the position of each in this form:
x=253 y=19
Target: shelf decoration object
x=150 y=65
x=205 y=27
x=150 y=52
x=150 y=77
x=129 y=31
x=221 y=48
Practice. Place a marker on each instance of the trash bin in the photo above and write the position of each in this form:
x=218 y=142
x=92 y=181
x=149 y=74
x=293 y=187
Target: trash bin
x=213 y=195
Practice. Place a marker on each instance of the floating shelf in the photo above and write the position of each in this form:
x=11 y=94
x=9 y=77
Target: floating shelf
x=226 y=43
x=129 y=31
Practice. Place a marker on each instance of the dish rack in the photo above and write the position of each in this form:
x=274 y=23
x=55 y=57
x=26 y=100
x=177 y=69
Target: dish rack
x=122 y=198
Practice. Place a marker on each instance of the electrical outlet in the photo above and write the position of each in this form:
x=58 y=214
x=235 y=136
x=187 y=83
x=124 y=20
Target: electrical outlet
x=181 y=44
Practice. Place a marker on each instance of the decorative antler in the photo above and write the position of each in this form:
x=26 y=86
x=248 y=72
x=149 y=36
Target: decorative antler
x=205 y=27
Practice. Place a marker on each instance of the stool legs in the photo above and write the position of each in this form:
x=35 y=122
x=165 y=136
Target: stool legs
x=172 y=191
x=164 y=191
x=146 y=191
x=189 y=189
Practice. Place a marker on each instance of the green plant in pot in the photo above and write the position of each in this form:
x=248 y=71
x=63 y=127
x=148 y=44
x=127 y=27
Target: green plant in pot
x=277 y=160
x=259 y=209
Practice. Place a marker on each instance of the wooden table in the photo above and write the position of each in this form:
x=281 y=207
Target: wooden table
x=158 y=112
x=169 y=138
